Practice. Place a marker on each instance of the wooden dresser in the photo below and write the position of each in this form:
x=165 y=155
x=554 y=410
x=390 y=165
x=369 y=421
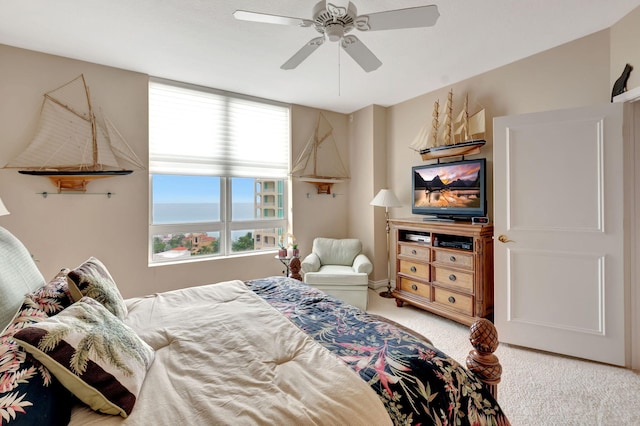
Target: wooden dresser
x=445 y=268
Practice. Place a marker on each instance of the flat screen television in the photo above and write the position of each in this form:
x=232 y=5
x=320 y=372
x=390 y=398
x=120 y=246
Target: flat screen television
x=450 y=191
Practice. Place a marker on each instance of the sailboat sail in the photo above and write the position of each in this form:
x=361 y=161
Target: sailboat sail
x=320 y=158
x=461 y=131
x=428 y=135
x=477 y=124
x=70 y=138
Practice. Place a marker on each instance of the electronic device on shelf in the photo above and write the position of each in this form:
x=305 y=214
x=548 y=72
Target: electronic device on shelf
x=457 y=245
x=450 y=191
x=453 y=241
x=419 y=238
x=480 y=220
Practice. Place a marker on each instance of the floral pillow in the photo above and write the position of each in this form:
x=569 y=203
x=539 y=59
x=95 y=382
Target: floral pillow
x=96 y=356
x=29 y=394
x=92 y=279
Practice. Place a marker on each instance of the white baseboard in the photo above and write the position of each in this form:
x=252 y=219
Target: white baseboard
x=380 y=284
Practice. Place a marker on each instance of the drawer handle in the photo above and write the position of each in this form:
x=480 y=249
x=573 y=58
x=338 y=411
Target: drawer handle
x=413 y=252
x=414 y=287
x=452 y=277
x=413 y=269
x=452 y=299
x=452 y=258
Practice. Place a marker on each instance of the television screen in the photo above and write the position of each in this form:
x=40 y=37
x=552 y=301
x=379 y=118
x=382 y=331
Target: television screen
x=455 y=190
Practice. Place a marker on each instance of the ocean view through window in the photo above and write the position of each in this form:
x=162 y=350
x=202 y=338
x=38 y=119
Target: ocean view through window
x=217 y=182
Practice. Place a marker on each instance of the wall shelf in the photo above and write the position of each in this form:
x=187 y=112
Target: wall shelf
x=45 y=194
x=629 y=95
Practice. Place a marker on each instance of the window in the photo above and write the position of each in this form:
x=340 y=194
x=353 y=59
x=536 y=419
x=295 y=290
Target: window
x=218 y=166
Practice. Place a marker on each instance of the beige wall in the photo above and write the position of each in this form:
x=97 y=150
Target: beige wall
x=550 y=80
x=625 y=35
x=64 y=230
x=319 y=215
x=368 y=149
x=575 y=74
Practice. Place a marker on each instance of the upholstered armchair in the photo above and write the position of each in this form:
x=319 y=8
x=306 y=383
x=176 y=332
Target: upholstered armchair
x=337 y=267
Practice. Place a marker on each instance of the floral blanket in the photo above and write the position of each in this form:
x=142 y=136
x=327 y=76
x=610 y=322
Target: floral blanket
x=417 y=383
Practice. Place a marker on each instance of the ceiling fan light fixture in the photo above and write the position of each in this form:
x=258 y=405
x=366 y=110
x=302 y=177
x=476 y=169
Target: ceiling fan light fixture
x=334 y=32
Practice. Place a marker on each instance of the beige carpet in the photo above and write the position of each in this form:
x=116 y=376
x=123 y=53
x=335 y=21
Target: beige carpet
x=537 y=388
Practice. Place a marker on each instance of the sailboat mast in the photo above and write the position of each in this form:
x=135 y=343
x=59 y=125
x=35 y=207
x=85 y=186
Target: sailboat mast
x=94 y=129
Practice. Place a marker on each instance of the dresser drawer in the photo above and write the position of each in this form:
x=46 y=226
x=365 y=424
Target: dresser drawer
x=459 y=260
x=419 y=270
x=415 y=251
x=452 y=300
x=416 y=287
x=451 y=277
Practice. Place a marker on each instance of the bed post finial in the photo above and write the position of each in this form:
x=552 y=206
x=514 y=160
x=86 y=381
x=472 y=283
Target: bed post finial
x=481 y=360
x=294 y=268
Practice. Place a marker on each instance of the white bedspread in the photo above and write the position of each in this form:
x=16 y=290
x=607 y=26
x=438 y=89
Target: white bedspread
x=225 y=356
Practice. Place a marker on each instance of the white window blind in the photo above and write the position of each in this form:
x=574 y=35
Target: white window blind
x=200 y=131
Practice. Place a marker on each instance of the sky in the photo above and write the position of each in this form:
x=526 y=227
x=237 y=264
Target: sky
x=198 y=189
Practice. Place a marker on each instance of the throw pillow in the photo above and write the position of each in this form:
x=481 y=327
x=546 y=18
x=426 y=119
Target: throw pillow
x=96 y=356
x=92 y=279
x=54 y=296
x=29 y=394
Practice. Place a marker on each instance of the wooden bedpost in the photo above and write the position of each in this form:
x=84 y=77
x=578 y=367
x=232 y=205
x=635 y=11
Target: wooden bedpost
x=294 y=268
x=481 y=360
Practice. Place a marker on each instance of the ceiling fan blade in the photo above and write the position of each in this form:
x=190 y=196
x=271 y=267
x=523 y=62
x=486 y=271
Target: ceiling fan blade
x=245 y=15
x=360 y=53
x=413 y=17
x=303 y=53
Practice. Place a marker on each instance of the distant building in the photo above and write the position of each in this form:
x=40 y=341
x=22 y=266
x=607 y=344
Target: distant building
x=200 y=243
x=268 y=203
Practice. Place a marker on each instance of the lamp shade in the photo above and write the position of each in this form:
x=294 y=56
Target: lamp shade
x=3 y=209
x=386 y=198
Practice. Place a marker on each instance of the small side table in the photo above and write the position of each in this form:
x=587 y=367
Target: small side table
x=292 y=265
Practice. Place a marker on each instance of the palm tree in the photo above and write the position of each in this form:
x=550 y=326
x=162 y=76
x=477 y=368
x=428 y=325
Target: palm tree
x=96 y=282
x=104 y=336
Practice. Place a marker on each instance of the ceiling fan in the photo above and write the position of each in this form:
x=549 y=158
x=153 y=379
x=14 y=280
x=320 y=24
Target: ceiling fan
x=334 y=19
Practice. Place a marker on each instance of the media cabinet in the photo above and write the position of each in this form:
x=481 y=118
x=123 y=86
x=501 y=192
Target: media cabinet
x=444 y=268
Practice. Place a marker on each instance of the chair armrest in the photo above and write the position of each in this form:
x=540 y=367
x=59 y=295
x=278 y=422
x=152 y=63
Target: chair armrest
x=362 y=264
x=311 y=263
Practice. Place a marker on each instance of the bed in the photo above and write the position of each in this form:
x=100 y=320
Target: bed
x=266 y=351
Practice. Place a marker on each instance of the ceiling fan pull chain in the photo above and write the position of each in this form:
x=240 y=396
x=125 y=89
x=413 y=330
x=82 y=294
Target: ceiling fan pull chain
x=339 y=71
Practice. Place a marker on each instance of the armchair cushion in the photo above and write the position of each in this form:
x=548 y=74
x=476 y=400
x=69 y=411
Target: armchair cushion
x=336 y=252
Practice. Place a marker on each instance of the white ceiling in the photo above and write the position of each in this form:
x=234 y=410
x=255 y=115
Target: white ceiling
x=199 y=41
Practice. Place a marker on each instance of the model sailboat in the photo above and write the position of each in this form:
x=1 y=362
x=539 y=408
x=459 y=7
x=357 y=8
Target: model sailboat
x=319 y=163
x=462 y=136
x=73 y=145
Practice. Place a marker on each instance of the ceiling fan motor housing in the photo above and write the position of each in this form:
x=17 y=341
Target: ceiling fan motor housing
x=333 y=21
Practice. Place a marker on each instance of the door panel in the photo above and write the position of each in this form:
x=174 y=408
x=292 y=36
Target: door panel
x=559 y=205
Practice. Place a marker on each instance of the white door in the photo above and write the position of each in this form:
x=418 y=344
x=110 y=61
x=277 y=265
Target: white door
x=559 y=186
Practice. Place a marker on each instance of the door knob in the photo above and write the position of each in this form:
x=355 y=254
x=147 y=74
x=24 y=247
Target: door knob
x=504 y=239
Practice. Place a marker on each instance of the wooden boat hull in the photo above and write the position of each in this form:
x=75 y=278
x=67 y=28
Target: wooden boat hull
x=74 y=181
x=323 y=185
x=463 y=148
